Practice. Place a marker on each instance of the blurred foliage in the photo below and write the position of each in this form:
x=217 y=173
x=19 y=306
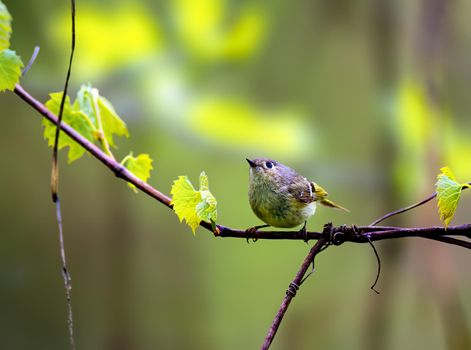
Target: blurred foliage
x=238 y=124
x=415 y=124
x=110 y=37
x=215 y=30
x=367 y=98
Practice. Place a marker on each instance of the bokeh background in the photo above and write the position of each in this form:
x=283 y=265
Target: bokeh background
x=368 y=98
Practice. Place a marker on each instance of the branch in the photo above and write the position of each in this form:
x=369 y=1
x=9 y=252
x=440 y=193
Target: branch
x=359 y=234
x=341 y=234
x=119 y=170
x=403 y=210
x=291 y=292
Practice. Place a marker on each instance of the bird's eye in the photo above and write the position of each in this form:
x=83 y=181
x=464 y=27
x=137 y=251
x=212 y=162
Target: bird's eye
x=269 y=165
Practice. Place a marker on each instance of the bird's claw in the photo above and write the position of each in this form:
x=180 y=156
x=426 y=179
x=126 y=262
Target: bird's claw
x=251 y=231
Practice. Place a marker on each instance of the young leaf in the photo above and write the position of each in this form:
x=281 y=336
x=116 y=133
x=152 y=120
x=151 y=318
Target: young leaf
x=5 y=27
x=10 y=69
x=184 y=200
x=192 y=205
x=448 y=194
x=140 y=166
x=75 y=118
x=84 y=102
x=206 y=209
x=89 y=100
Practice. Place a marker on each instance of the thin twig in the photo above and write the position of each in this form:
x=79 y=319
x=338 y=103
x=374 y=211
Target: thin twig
x=378 y=261
x=412 y=206
x=55 y=165
x=451 y=240
x=291 y=292
x=31 y=61
x=66 y=277
x=424 y=232
x=403 y=210
x=55 y=189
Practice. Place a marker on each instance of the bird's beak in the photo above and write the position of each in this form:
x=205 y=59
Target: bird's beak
x=252 y=164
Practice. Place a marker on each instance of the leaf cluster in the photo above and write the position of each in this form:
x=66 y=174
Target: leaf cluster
x=95 y=118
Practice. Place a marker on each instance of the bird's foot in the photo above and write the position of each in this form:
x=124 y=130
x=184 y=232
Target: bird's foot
x=252 y=230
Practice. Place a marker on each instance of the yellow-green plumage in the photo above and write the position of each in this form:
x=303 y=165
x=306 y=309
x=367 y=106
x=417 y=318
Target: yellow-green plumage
x=280 y=196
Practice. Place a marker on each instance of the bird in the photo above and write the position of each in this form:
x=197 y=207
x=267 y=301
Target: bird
x=281 y=197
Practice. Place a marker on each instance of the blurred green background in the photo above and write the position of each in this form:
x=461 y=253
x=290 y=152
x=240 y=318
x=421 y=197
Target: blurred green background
x=368 y=98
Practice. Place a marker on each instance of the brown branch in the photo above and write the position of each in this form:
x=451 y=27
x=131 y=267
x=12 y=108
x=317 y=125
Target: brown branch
x=403 y=210
x=291 y=292
x=451 y=240
x=342 y=234
x=354 y=234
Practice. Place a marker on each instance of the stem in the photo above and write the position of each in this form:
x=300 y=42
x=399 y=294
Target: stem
x=403 y=210
x=66 y=277
x=55 y=185
x=412 y=206
x=103 y=140
x=31 y=61
x=451 y=240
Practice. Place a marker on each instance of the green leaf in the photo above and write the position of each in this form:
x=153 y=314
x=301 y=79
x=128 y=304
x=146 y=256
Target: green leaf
x=192 y=205
x=448 y=194
x=93 y=117
x=5 y=27
x=10 y=69
x=140 y=166
x=89 y=100
x=206 y=209
x=112 y=123
x=75 y=118
x=184 y=200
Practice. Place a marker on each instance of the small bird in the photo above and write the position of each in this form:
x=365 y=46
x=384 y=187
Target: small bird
x=281 y=197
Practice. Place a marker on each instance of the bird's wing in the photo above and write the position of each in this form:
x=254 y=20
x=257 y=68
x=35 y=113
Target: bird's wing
x=302 y=190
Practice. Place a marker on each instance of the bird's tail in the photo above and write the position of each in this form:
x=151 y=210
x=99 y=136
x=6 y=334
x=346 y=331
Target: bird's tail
x=330 y=204
x=321 y=194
